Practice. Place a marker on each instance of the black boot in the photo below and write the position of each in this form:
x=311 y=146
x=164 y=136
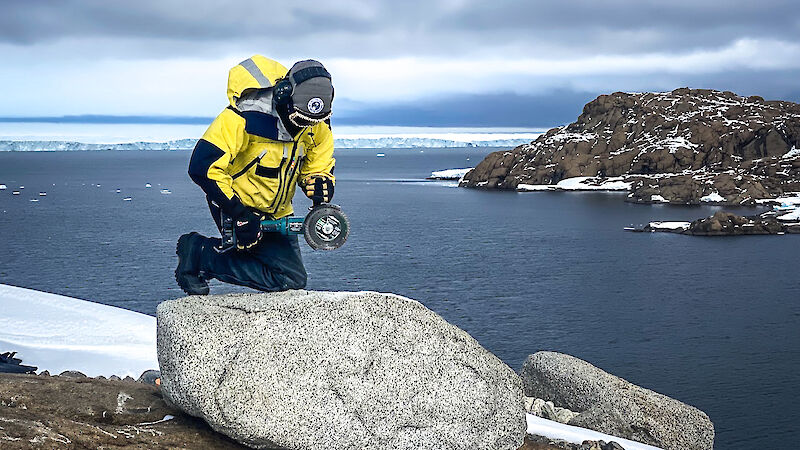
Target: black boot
x=189 y=249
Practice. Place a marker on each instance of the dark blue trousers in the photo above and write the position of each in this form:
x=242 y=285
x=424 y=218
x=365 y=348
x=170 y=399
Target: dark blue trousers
x=274 y=264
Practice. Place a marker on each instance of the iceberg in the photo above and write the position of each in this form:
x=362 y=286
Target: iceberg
x=449 y=174
x=423 y=139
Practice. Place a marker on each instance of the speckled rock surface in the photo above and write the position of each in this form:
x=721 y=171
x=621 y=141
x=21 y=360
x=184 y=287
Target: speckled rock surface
x=612 y=405
x=356 y=370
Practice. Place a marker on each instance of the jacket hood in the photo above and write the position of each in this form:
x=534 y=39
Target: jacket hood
x=256 y=72
x=250 y=94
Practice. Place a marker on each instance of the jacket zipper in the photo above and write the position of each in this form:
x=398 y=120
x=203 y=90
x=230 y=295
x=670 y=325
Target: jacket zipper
x=283 y=180
x=290 y=179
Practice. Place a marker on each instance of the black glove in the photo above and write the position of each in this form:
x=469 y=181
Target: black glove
x=319 y=189
x=248 y=229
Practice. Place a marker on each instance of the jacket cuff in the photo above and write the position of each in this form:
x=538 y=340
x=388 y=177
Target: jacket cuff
x=237 y=208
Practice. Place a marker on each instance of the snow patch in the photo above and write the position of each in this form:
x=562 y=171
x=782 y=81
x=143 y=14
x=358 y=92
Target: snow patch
x=793 y=216
x=576 y=435
x=675 y=143
x=793 y=153
x=713 y=197
x=658 y=199
x=580 y=184
x=58 y=333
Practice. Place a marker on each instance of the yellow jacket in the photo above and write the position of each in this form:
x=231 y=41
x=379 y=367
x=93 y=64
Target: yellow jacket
x=247 y=158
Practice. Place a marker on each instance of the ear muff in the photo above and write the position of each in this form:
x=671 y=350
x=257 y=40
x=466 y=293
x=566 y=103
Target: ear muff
x=282 y=92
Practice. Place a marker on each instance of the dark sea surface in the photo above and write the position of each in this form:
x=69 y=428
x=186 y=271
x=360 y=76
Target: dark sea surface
x=714 y=322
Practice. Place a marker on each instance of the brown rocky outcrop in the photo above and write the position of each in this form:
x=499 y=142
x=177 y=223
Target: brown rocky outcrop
x=682 y=145
x=81 y=413
x=727 y=224
x=86 y=413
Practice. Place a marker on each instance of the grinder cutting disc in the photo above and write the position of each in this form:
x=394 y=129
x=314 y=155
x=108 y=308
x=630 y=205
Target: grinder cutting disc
x=326 y=227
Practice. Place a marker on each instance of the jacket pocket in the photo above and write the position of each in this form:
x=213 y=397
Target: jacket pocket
x=268 y=172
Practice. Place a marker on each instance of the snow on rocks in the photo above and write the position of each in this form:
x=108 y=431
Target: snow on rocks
x=57 y=334
x=612 y=405
x=580 y=184
x=681 y=145
x=539 y=426
x=368 y=370
x=713 y=197
x=449 y=174
x=656 y=198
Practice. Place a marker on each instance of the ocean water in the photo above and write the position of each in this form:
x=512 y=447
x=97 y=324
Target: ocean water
x=714 y=322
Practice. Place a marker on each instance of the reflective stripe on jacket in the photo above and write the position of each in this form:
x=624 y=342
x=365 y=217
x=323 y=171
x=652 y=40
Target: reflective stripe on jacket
x=247 y=158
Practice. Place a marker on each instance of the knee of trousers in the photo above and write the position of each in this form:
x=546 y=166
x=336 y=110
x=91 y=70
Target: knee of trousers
x=296 y=278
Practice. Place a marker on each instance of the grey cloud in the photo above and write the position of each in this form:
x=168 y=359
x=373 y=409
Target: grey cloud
x=415 y=27
x=556 y=105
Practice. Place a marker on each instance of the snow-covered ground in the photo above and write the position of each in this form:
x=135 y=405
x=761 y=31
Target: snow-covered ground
x=450 y=174
x=58 y=333
x=580 y=184
x=787 y=207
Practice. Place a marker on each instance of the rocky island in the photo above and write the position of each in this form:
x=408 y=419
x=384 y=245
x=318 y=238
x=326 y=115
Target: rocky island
x=688 y=146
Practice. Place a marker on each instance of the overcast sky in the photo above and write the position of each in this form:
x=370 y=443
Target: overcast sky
x=454 y=62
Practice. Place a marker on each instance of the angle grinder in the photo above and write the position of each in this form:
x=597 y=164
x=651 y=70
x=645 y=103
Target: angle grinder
x=325 y=227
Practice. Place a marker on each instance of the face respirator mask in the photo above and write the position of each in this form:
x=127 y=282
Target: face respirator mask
x=305 y=93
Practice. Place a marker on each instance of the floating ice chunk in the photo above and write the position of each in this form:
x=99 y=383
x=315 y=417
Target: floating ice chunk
x=34 y=199
x=42 y=194
x=15 y=193
x=713 y=197
x=22 y=187
x=381 y=155
x=3 y=187
x=118 y=191
x=127 y=199
x=148 y=185
x=98 y=185
x=449 y=174
x=670 y=225
x=658 y=199
x=166 y=191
